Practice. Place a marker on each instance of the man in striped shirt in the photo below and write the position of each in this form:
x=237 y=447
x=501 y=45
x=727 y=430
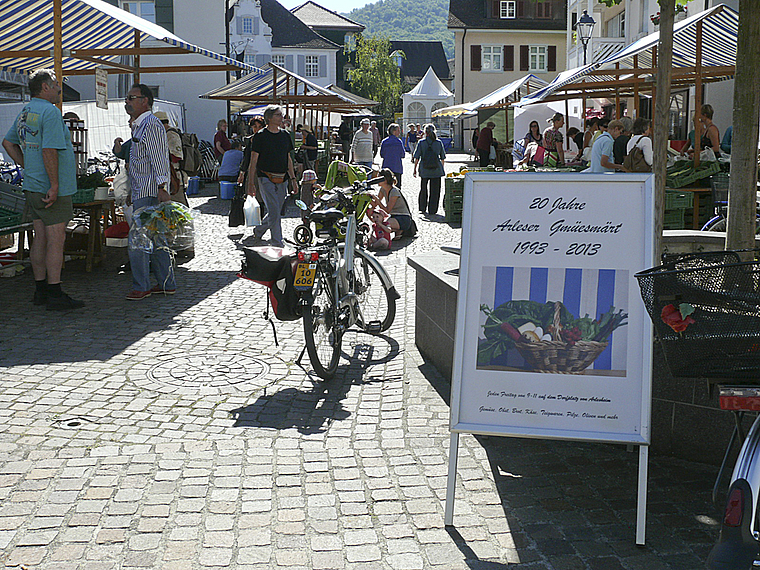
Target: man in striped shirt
x=148 y=181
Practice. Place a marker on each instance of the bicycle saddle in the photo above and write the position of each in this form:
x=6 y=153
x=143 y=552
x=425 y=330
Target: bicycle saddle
x=327 y=217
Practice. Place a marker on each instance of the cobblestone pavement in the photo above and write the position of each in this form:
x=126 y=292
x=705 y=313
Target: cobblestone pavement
x=172 y=433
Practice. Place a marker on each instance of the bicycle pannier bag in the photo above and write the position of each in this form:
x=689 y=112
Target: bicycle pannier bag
x=271 y=267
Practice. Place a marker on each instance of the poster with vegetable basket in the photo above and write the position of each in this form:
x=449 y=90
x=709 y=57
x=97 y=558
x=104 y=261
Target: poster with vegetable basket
x=552 y=339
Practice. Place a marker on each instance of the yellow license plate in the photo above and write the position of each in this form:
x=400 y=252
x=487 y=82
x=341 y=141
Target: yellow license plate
x=305 y=272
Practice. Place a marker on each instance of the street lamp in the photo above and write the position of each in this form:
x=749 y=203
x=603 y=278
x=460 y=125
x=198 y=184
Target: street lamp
x=585 y=27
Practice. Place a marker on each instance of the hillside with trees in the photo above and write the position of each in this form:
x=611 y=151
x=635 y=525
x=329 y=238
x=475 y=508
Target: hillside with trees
x=407 y=20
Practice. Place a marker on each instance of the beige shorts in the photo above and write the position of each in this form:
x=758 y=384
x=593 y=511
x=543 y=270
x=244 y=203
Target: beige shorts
x=59 y=213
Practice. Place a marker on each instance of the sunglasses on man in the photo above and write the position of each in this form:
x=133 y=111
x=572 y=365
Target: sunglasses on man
x=133 y=97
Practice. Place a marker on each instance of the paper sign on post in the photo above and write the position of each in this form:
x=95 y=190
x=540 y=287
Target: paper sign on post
x=101 y=88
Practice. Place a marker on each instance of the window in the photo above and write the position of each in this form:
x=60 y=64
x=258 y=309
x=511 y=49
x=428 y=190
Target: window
x=415 y=110
x=349 y=42
x=538 y=58
x=507 y=9
x=616 y=26
x=543 y=10
x=312 y=66
x=247 y=25
x=278 y=60
x=250 y=59
x=491 y=58
x=146 y=9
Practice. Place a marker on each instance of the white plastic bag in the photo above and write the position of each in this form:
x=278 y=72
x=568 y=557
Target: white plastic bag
x=121 y=186
x=252 y=211
x=492 y=153
x=707 y=155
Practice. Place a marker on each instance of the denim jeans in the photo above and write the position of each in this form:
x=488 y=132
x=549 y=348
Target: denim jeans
x=141 y=262
x=274 y=197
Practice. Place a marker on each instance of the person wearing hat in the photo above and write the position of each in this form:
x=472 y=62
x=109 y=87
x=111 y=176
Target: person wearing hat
x=310 y=146
x=361 y=147
x=554 y=142
x=178 y=179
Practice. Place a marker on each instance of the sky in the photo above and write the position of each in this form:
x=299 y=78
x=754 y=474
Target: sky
x=341 y=6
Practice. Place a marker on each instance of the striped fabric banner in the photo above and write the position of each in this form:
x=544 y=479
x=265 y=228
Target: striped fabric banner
x=583 y=291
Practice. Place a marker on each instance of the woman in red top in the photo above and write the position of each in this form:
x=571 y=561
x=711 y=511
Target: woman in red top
x=485 y=140
x=221 y=142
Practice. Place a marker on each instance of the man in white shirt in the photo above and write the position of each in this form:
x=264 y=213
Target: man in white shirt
x=361 y=147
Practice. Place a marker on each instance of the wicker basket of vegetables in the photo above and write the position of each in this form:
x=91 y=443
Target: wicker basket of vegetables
x=548 y=337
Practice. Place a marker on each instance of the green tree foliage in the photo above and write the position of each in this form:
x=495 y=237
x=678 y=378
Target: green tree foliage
x=376 y=75
x=407 y=20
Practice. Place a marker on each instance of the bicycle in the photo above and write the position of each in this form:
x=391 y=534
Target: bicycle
x=304 y=235
x=706 y=312
x=332 y=285
x=11 y=173
x=341 y=284
x=719 y=191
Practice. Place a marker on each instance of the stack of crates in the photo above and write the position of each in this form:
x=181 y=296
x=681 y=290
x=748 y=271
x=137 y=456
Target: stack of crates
x=677 y=204
x=453 y=199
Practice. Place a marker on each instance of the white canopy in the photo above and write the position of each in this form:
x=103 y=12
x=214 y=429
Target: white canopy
x=505 y=92
x=430 y=87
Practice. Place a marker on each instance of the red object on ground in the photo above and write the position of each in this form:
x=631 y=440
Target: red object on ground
x=120 y=230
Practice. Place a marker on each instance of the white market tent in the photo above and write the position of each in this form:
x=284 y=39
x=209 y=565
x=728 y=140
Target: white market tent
x=426 y=97
x=704 y=50
x=501 y=97
x=77 y=36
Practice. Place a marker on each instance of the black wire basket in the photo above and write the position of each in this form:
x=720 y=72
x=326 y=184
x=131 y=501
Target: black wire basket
x=706 y=313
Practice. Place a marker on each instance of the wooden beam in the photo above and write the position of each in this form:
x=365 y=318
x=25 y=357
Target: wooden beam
x=698 y=96
x=58 y=46
x=131 y=51
x=105 y=62
x=136 y=75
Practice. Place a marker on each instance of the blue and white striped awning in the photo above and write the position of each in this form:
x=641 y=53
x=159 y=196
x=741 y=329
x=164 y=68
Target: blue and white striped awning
x=720 y=28
x=503 y=93
x=27 y=25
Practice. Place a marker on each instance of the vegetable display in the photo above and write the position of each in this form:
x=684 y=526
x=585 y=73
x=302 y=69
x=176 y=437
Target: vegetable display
x=520 y=323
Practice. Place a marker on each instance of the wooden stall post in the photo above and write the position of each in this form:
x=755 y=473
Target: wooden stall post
x=136 y=74
x=698 y=96
x=58 y=46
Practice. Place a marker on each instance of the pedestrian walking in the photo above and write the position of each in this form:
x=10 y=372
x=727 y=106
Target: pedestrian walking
x=361 y=146
x=431 y=154
x=39 y=141
x=392 y=152
x=272 y=164
x=149 y=185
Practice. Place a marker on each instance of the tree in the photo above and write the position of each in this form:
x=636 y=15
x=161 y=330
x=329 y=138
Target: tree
x=740 y=232
x=376 y=75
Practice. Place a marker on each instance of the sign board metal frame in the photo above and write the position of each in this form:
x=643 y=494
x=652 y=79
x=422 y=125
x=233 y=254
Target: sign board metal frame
x=533 y=239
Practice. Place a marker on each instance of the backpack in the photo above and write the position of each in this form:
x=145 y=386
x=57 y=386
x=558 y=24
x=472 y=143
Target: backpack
x=634 y=161
x=191 y=155
x=430 y=157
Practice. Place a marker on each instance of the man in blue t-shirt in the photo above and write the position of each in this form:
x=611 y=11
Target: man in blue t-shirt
x=40 y=142
x=602 y=153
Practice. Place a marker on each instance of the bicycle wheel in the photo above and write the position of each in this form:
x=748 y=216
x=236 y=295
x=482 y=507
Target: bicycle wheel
x=719 y=225
x=321 y=329
x=376 y=302
x=302 y=234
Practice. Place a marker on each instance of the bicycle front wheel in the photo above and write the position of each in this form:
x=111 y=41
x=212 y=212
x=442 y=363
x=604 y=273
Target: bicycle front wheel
x=377 y=302
x=321 y=329
x=720 y=224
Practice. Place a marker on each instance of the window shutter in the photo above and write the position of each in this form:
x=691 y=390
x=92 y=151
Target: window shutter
x=255 y=26
x=323 y=66
x=301 y=65
x=113 y=2
x=524 y=58
x=165 y=14
x=239 y=25
x=520 y=8
x=495 y=11
x=289 y=62
x=259 y=60
x=509 y=58
x=267 y=58
x=551 y=59
x=475 y=57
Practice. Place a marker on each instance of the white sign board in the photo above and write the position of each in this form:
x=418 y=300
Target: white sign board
x=552 y=338
x=101 y=88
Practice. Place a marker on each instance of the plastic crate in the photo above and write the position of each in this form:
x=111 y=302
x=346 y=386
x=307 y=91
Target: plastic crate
x=454 y=185
x=453 y=217
x=83 y=195
x=674 y=219
x=674 y=199
x=705 y=169
x=9 y=219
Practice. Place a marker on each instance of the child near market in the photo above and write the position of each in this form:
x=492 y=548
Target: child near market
x=308 y=186
x=380 y=237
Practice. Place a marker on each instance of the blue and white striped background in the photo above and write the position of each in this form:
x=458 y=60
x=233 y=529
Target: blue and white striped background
x=583 y=291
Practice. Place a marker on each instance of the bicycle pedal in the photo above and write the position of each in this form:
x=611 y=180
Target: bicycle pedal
x=374 y=327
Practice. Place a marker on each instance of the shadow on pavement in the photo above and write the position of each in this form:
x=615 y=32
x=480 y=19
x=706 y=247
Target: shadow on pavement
x=573 y=504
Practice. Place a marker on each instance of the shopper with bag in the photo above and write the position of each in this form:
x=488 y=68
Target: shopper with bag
x=272 y=164
x=431 y=154
x=642 y=159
